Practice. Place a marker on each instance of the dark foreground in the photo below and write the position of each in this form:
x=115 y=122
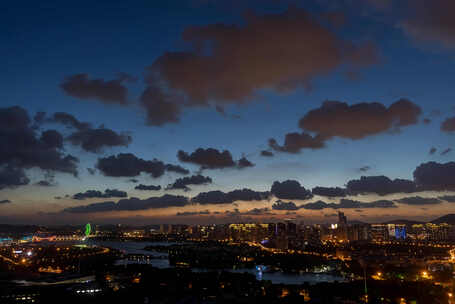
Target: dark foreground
x=145 y=284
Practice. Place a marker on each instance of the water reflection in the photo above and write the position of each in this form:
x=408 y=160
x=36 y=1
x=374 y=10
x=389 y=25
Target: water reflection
x=160 y=260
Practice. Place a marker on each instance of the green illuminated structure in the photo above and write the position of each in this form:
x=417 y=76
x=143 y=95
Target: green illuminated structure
x=88 y=230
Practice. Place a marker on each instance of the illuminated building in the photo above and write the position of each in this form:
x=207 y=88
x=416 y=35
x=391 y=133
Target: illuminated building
x=379 y=232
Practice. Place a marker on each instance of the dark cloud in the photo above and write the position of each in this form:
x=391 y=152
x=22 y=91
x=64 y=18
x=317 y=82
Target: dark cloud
x=213 y=159
x=95 y=207
x=184 y=182
x=381 y=185
x=349 y=204
x=132 y=204
x=364 y=168
x=148 y=187
x=5 y=201
x=266 y=153
x=52 y=139
x=294 y=142
x=91 y=171
x=329 y=191
x=257 y=211
x=23 y=147
x=448 y=198
x=219 y=197
x=448 y=125
x=108 y=193
x=280 y=205
x=193 y=213
x=417 y=200
x=69 y=121
x=244 y=163
x=177 y=169
x=45 y=183
x=435 y=176
x=127 y=164
x=357 y=121
x=431 y=22
x=244 y=59
x=290 y=189
x=432 y=151
x=108 y=92
x=446 y=151
x=95 y=140
x=161 y=107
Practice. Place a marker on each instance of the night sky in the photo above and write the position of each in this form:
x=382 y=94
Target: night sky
x=206 y=111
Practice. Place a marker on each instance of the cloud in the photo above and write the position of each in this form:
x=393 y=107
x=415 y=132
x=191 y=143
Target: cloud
x=176 y=169
x=357 y=121
x=132 y=204
x=329 y=191
x=432 y=151
x=266 y=153
x=108 y=193
x=244 y=163
x=5 y=201
x=290 y=189
x=381 y=185
x=349 y=204
x=318 y=205
x=257 y=211
x=446 y=151
x=129 y=165
x=108 y=92
x=435 y=176
x=23 y=147
x=280 y=205
x=294 y=142
x=448 y=125
x=91 y=171
x=244 y=59
x=45 y=183
x=417 y=200
x=184 y=182
x=161 y=107
x=95 y=140
x=95 y=207
x=52 y=139
x=448 y=198
x=148 y=187
x=68 y=120
x=193 y=213
x=213 y=159
x=219 y=197
x=364 y=168
x=431 y=22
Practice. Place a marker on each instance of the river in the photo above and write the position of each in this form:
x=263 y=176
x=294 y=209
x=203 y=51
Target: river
x=130 y=247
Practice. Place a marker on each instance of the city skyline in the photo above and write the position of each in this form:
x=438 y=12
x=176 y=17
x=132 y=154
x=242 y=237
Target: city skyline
x=167 y=112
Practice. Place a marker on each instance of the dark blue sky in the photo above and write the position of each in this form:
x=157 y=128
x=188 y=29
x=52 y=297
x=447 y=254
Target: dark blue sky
x=44 y=43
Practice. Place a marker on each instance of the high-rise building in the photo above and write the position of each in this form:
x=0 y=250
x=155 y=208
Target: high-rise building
x=379 y=232
x=342 y=219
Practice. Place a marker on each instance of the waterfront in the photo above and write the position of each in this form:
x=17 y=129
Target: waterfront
x=278 y=277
